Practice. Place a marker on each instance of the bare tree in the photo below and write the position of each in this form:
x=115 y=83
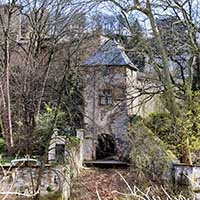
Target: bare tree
x=9 y=33
x=43 y=59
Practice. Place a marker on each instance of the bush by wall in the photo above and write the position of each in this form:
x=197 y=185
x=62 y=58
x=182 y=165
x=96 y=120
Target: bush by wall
x=149 y=154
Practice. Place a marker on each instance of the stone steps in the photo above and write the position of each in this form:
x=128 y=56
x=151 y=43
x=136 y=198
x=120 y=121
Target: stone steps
x=106 y=163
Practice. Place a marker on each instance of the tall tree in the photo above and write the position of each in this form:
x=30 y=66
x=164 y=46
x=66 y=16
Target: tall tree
x=44 y=55
x=9 y=33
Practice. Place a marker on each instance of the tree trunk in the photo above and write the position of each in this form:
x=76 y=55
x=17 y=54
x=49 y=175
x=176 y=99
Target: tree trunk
x=170 y=101
x=8 y=119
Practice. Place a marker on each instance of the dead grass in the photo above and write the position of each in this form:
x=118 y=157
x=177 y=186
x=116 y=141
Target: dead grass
x=105 y=182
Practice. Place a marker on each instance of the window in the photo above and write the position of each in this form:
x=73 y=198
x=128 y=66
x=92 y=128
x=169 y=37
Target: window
x=105 y=98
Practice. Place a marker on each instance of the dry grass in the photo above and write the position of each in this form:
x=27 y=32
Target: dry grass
x=113 y=184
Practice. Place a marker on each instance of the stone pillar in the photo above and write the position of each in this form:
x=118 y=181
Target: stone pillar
x=88 y=149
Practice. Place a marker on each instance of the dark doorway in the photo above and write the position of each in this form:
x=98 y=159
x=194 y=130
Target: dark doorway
x=105 y=147
x=60 y=153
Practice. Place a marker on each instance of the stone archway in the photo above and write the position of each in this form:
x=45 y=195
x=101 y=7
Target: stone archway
x=105 y=146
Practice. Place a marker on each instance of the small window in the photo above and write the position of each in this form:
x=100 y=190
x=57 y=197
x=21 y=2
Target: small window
x=105 y=98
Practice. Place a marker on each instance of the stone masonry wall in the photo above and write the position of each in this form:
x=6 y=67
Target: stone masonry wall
x=143 y=104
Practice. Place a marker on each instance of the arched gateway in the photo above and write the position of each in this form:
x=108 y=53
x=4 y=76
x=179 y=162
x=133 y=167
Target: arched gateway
x=105 y=147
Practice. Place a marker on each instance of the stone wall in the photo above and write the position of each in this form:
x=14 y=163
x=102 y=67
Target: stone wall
x=20 y=181
x=23 y=179
x=143 y=104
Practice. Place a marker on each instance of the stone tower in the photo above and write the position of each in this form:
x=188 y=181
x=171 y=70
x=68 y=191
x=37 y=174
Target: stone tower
x=106 y=112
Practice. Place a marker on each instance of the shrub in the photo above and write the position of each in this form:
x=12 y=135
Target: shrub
x=149 y=154
x=174 y=131
x=163 y=126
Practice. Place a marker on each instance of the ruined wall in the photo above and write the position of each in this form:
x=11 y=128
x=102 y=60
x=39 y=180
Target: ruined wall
x=105 y=119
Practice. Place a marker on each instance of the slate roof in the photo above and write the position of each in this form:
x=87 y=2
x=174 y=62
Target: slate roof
x=110 y=54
